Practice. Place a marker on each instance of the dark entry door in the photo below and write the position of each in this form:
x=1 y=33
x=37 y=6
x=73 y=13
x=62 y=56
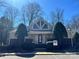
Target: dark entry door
x=40 y=39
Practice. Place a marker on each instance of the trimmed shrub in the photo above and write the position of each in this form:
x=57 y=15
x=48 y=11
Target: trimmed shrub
x=13 y=44
x=60 y=34
x=28 y=45
x=21 y=33
x=76 y=41
x=50 y=46
x=66 y=45
x=60 y=31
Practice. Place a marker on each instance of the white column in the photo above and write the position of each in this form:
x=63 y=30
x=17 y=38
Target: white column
x=43 y=39
x=36 y=39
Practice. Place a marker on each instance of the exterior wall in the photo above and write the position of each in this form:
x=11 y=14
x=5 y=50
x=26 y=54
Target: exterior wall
x=42 y=31
x=34 y=36
x=44 y=38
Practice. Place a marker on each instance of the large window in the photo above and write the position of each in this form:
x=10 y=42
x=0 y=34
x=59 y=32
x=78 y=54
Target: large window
x=42 y=22
x=40 y=25
x=45 y=26
x=35 y=26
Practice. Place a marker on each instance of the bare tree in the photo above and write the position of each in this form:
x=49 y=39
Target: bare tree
x=6 y=22
x=11 y=13
x=31 y=12
x=3 y=3
x=5 y=27
x=57 y=16
x=24 y=14
x=75 y=23
x=73 y=27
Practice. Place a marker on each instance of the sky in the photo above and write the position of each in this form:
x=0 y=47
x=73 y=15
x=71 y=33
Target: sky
x=70 y=7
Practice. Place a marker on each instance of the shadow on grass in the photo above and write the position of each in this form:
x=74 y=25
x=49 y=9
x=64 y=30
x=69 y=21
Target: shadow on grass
x=2 y=55
x=20 y=53
x=17 y=52
x=26 y=54
x=32 y=53
x=76 y=51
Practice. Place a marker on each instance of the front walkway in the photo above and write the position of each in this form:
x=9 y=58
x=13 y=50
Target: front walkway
x=38 y=53
x=53 y=56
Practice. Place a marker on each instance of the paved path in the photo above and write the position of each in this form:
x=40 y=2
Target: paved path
x=43 y=57
x=36 y=53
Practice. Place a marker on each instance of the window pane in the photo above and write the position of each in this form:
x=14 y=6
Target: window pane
x=45 y=26
x=42 y=22
x=38 y=23
x=35 y=26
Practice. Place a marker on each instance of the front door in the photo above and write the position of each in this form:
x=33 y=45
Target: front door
x=40 y=39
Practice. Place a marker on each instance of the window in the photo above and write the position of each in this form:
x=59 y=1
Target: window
x=38 y=23
x=45 y=26
x=35 y=26
x=42 y=22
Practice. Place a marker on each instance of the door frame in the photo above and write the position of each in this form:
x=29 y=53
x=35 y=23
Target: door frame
x=40 y=37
